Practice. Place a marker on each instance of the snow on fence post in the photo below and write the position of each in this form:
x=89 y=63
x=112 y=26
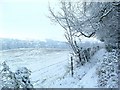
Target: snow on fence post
x=72 y=66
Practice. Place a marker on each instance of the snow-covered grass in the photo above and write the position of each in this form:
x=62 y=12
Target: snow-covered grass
x=46 y=64
x=50 y=67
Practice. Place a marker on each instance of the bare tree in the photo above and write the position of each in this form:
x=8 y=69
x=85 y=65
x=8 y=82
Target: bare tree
x=73 y=19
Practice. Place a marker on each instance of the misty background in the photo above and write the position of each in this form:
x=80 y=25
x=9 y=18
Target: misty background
x=28 y=20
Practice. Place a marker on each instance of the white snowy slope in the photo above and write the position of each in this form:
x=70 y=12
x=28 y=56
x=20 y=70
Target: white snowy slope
x=50 y=67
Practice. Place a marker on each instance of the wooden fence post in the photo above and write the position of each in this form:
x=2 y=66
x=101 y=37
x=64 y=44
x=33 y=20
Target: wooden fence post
x=72 y=66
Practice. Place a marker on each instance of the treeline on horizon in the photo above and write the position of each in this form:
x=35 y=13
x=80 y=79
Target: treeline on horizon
x=6 y=43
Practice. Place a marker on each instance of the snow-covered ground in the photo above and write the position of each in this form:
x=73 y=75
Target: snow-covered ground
x=50 y=67
x=46 y=64
x=84 y=76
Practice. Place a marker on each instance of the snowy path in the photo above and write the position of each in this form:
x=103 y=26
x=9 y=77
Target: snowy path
x=90 y=78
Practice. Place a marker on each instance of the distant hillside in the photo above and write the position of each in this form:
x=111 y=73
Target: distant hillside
x=6 y=43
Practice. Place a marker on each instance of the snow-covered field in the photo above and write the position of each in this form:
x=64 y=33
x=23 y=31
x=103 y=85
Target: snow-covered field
x=49 y=67
x=46 y=64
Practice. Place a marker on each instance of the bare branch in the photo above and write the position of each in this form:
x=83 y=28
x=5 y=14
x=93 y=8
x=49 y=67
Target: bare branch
x=56 y=18
x=105 y=14
x=88 y=36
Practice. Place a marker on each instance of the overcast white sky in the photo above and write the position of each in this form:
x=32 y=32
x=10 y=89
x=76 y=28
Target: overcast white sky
x=27 y=19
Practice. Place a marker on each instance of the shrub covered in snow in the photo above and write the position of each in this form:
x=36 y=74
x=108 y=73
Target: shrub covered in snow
x=86 y=48
x=90 y=43
x=18 y=79
x=22 y=76
x=107 y=71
